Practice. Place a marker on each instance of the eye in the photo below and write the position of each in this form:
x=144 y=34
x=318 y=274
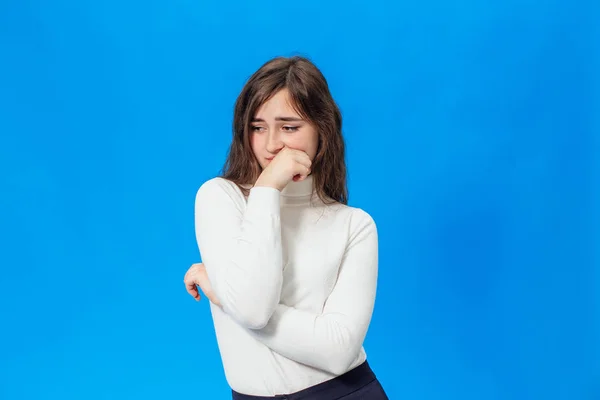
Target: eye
x=256 y=128
x=290 y=128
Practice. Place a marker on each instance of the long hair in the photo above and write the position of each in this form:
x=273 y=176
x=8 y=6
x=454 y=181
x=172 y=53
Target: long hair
x=311 y=98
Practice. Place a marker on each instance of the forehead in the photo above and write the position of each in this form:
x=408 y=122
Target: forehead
x=279 y=105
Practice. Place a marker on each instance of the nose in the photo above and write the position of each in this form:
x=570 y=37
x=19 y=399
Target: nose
x=274 y=143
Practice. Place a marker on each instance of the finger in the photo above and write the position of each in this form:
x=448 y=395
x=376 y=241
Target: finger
x=301 y=172
x=302 y=158
x=295 y=154
x=300 y=177
x=303 y=168
x=194 y=293
x=192 y=289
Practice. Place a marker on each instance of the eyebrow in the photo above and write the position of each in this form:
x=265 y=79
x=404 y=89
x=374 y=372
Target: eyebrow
x=284 y=119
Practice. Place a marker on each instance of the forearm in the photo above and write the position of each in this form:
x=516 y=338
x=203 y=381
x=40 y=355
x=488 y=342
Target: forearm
x=245 y=269
x=330 y=342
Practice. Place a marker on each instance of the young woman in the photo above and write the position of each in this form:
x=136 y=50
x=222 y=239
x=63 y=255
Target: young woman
x=289 y=267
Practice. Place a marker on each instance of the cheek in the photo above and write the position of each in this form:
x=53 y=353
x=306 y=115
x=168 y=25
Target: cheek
x=312 y=145
x=255 y=143
x=255 y=146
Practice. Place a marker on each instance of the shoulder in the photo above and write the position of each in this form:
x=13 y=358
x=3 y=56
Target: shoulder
x=357 y=219
x=355 y=214
x=217 y=184
x=361 y=219
x=360 y=226
x=218 y=190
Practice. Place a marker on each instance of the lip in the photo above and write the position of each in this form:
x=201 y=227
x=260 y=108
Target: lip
x=269 y=158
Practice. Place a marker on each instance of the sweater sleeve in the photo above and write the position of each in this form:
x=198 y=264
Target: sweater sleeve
x=240 y=246
x=332 y=340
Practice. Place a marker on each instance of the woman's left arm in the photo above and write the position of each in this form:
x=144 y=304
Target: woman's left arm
x=332 y=340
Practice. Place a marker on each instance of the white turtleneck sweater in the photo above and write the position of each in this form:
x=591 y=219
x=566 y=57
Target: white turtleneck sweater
x=296 y=280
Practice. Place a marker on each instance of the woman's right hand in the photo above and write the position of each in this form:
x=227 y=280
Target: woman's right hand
x=288 y=164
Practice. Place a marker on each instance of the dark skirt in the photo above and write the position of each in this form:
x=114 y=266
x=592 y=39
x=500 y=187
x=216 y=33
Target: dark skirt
x=358 y=383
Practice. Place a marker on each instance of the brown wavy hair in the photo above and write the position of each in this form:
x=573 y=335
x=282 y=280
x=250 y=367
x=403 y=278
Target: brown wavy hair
x=311 y=98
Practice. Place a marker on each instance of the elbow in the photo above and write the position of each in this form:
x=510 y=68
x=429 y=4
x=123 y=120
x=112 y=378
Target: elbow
x=250 y=303
x=339 y=364
x=340 y=354
x=253 y=311
x=254 y=324
x=255 y=319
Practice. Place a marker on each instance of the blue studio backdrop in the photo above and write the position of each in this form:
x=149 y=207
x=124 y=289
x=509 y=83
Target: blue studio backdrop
x=472 y=139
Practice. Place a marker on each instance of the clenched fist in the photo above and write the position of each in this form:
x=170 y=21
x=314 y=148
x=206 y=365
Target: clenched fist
x=288 y=165
x=197 y=276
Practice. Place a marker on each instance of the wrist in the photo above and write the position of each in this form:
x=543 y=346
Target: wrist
x=265 y=183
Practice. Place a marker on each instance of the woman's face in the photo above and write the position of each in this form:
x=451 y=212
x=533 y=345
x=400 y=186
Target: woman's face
x=277 y=125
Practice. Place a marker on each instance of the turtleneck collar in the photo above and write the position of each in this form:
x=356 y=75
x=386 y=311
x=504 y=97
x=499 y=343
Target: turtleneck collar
x=298 y=192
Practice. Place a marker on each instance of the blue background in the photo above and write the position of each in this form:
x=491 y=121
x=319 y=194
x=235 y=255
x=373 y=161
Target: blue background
x=473 y=138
